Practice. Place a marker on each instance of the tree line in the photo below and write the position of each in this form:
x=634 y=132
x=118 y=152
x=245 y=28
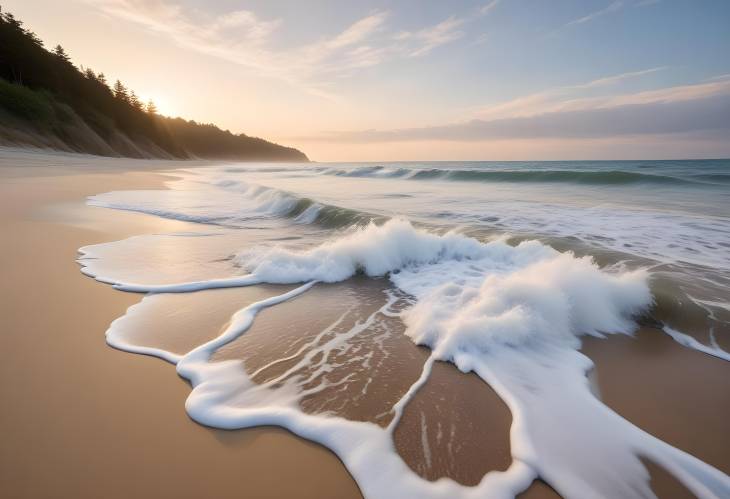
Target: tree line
x=43 y=90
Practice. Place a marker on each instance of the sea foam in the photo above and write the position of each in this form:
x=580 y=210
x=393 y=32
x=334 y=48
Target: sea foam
x=514 y=315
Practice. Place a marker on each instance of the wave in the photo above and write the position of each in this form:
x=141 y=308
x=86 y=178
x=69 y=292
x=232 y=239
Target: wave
x=591 y=177
x=514 y=315
x=719 y=178
x=375 y=250
x=302 y=209
x=246 y=202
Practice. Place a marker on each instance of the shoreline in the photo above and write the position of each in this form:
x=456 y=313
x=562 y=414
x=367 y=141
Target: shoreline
x=92 y=448
x=86 y=420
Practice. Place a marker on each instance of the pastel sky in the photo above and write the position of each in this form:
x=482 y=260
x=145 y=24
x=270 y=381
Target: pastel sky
x=421 y=80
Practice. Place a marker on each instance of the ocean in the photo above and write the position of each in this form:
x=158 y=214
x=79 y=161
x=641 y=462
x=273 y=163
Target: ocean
x=323 y=297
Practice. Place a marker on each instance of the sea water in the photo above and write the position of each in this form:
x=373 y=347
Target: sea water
x=496 y=268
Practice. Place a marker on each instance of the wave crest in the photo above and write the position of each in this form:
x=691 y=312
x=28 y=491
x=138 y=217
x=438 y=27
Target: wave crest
x=591 y=177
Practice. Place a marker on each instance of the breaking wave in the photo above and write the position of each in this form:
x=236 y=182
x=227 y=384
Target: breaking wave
x=591 y=177
x=514 y=315
x=243 y=203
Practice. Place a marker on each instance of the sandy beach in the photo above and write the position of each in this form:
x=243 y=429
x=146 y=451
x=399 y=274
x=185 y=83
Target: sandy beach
x=84 y=420
x=357 y=250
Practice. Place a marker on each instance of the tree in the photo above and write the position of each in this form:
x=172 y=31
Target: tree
x=134 y=101
x=120 y=91
x=42 y=81
x=151 y=108
x=61 y=53
x=10 y=19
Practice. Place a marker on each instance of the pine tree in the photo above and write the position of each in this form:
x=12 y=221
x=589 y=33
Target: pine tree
x=61 y=53
x=51 y=74
x=151 y=108
x=134 y=101
x=10 y=19
x=120 y=91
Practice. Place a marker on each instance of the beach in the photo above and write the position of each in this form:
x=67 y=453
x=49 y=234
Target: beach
x=85 y=420
x=335 y=250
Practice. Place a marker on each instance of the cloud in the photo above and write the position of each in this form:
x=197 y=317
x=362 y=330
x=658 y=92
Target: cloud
x=241 y=37
x=256 y=31
x=560 y=98
x=237 y=36
x=691 y=109
x=594 y=15
x=487 y=8
x=358 y=31
x=611 y=80
x=429 y=38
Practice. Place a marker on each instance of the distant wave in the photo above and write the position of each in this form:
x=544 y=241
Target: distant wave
x=715 y=178
x=302 y=209
x=594 y=177
x=311 y=212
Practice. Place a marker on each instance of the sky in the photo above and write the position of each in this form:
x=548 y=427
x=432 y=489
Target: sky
x=375 y=80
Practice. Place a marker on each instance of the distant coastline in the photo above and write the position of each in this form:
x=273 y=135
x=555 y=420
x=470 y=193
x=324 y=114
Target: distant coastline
x=47 y=102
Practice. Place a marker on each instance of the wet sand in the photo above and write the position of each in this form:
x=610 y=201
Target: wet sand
x=455 y=427
x=84 y=420
x=677 y=394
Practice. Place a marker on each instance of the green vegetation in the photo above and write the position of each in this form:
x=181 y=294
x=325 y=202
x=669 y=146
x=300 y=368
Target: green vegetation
x=46 y=101
x=25 y=103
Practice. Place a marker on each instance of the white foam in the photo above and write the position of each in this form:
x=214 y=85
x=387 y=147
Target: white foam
x=675 y=227
x=224 y=396
x=224 y=202
x=309 y=215
x=512 y=314
x=519 y=330
x=690 y=342
x=374 y=251
x=185 y=287
x=550 y=300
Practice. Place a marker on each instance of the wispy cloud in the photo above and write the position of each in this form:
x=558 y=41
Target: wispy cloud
x=358 y=31
x=594 y=15
x=425 y=40
x=237 y=36
x=689 y=109
x=612 y=80
x=560 y=98
x=243 y=38
x=254 y=30
x=487 y=8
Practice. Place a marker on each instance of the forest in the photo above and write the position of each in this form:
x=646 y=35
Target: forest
x=48 y=102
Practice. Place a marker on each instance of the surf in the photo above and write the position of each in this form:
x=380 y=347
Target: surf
x=514 y=315
x=599 y=177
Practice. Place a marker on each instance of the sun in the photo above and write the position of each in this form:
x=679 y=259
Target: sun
x=163 y=104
